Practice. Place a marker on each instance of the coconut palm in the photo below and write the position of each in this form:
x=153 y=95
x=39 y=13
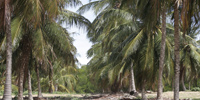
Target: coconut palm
x=5 y=19
x=143 y=7
x=100 y=36
x=19 y=27
x=189 y=13
x=52 y=35
x=30 y=16
x=176 y=51
x=108 y=5
x=162 y=54
x=108 y=37
x=188 y=60
x=64 y=80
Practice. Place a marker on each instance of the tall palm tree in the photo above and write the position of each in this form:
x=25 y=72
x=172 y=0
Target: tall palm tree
x=176 y=51
x=162 y=54
x=40 y=34
x=25 y=45
x=110 y=33
x=40 y=9
x=33 y=16
x=189 y=56
x=5 y=19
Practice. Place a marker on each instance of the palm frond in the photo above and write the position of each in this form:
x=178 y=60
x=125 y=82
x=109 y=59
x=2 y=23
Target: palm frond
x=133 y=44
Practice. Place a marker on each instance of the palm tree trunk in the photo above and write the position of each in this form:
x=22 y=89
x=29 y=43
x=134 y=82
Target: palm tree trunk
x=132 y=85
x=162 y=55
x=182 y=82
x=182 y=76
x=30 y=96
x=56 y=87
x=39 y=87
x=8 y=88
x=20 y=84
x=23 y=62
x=189 y=86
x=144 y=97
x=176 y=52
x=51 y=78
x=172 y=84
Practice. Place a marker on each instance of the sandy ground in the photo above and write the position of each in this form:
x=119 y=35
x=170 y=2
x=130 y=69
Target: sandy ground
x=55 y=95
x=182 y=95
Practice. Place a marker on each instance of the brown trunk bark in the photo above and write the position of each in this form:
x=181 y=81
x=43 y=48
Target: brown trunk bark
x=23 y=62
x=38 y=78
x=144 y=97
x=51 y=78
x=130 y=87
x=20 y=84
x=189 y=86
x=182 y=82
x=30 y=96
x=182 y=76
x=8 y=87
x=176 y=52
x=172 y=84
x=162 y=55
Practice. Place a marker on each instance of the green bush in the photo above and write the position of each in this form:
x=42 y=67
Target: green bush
x=84 y=84
x=1 y=93
x=195 y=89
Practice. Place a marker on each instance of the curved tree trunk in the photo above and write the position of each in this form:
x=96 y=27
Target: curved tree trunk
x=38 y=78
x=23 y=62
x=182 y=82
x=182 y=76
x=30 y=96
x=132 y=81
x=176 y=52
x=8 y=87
x=162 y=55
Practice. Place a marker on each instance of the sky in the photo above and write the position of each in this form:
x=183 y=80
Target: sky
x=81 y=41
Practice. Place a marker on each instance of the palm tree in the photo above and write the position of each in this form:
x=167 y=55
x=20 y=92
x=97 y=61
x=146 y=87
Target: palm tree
x=113 y=23
x=162 y=54
x=189 y=56
x=107 y=30
x=176 y=51
x=35 y=15
x=25 y=45
x=30 y=15
x=107 y=45
x=5 y=19
x=64 y=77
x=110 y=33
